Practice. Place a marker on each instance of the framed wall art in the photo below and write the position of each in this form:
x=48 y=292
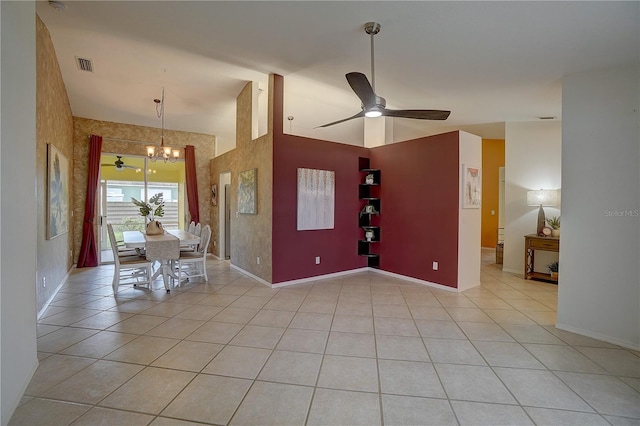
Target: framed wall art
x=316 y=199
x=57 y=193
x=471 y=187
x=247 y=182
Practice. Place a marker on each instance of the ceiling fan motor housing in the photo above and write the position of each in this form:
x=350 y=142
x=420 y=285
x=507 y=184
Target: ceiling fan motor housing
x=380 y=103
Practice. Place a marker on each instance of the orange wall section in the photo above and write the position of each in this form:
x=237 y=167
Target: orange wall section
x=492 y=160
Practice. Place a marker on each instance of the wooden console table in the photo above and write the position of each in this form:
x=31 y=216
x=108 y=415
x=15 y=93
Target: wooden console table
x=532 y=242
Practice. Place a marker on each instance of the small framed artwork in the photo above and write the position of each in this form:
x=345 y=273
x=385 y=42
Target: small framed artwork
x=57 y=193
x=214 y=194
x=247 y=182
x=471 y=187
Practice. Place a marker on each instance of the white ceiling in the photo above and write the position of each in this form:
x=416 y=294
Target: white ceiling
x=487 y=62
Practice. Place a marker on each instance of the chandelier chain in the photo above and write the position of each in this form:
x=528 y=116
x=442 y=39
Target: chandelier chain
x=165 y=153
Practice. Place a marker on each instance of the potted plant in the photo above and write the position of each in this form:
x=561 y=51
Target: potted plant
x=553 y=269
x=554 y=224
x=154 y=208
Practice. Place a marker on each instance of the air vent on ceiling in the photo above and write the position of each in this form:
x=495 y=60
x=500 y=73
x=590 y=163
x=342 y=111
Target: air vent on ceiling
x=84 y=64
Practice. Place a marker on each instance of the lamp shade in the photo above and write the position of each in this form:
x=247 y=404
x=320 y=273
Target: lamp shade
x=543 y=197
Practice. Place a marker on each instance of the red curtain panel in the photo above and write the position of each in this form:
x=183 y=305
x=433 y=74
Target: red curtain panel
x=88 y=249
x=192 y=182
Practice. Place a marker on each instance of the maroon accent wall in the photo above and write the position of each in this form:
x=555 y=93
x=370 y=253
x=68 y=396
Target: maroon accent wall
x=419 y=207
x=294 y=252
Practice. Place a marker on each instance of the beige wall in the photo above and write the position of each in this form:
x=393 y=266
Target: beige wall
x=83 y=128
x=251 y=235
x=54 y=125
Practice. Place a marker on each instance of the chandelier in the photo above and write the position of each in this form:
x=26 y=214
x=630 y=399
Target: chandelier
x=164 y=153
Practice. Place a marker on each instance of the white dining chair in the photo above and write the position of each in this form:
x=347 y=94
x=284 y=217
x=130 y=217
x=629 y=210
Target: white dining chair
x=134 y=269
x=198 y=229
x=195 y=230
x=124 y=250
x=194 y=264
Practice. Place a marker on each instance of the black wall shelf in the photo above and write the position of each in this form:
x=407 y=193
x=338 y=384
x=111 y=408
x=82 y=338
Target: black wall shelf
x=369 y=217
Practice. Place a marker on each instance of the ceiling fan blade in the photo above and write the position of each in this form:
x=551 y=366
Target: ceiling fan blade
x=107 y=165
x=360 y=114
x=361 y=86
x=419 y=114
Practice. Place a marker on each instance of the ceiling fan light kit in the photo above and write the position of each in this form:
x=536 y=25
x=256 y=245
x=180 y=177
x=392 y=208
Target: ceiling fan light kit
x=374 y=105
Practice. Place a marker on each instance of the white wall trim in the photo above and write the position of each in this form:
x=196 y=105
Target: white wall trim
x=319 y=277
x=469 y=219
x=349 y=272
x=255 y=277
x=599 y=336
x=416 y=280
x=55 y=293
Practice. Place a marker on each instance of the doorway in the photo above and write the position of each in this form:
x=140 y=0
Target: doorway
x=224 y=215
x=123 y=177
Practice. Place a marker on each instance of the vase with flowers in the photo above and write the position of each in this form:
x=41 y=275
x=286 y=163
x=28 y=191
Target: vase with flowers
x=150 y=211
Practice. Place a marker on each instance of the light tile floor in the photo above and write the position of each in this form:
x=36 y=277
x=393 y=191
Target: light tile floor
x=361 y=349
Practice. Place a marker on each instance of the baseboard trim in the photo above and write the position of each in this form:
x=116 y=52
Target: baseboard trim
x=598 y=336
x=55 y=293
x=255 y=277
x=416 y=280
x=344 y=273
x=319 y=277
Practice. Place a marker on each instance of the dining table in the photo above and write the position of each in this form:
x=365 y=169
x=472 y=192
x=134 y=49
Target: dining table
x=164 y=248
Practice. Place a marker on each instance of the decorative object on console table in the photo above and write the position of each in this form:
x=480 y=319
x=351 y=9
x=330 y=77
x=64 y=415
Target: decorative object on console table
x=369 y=214
x=554 y=223
x=542 y=197
x=532 y=243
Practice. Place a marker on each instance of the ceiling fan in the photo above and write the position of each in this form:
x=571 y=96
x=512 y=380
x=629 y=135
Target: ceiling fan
x=119 y=165
x=374 y=105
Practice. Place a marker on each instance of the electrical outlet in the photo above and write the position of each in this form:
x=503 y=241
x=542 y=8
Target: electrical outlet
x=435 y=266
x=44 y=281
x=214 y=243
x=258 y=260
x=317 y=260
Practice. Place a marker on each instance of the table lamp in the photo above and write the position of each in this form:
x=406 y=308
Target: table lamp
x=542 y=197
